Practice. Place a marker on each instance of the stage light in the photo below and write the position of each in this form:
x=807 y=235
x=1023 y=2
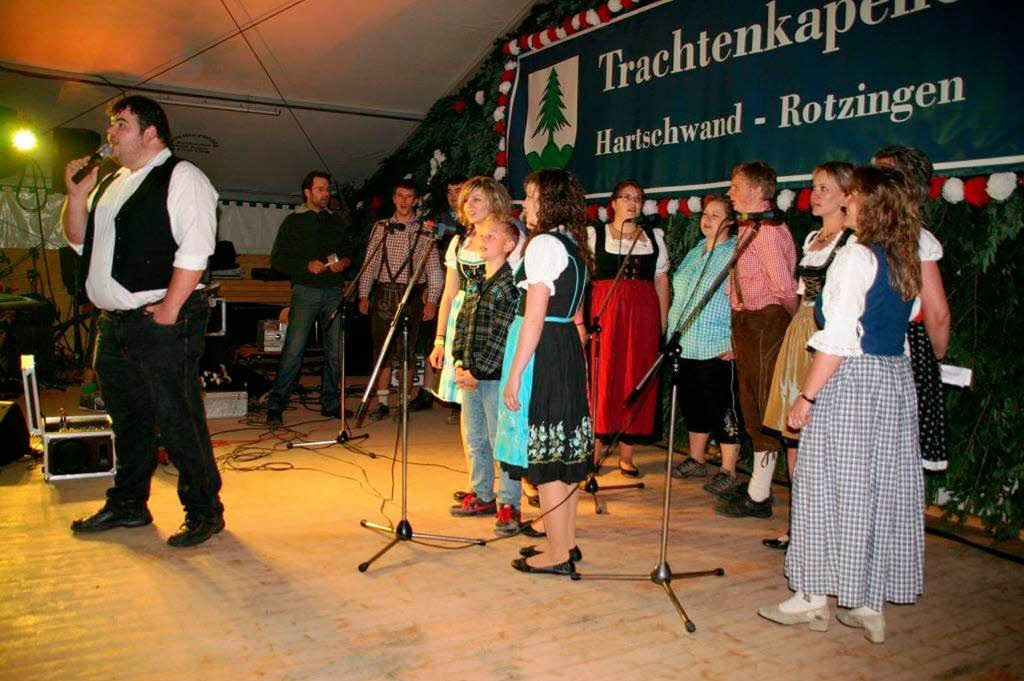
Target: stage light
x=25 y=140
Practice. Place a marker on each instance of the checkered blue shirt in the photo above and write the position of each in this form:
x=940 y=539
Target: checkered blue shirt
x=710 y=333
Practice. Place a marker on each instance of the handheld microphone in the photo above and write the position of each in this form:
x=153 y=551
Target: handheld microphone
x=757 y=217
x=95 y=158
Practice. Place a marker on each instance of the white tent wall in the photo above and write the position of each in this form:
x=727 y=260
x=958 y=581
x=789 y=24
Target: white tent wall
x=252 y=228
x=20 y=222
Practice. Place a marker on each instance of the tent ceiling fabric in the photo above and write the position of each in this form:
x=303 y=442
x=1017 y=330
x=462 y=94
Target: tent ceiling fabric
x=386 y=57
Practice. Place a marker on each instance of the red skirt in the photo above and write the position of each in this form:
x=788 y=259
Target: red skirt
x=627 y=346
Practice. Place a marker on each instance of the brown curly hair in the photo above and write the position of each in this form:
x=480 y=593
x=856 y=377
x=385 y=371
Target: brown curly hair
x=561 y=203
x=890 y=215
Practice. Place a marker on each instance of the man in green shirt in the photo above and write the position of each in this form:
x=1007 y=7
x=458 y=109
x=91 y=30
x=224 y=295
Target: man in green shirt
x=311 y=249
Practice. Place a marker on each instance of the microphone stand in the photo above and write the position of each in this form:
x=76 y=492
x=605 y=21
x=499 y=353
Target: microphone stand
x=403 y=531
x=341 y=314
x=685 y=324
x=662 y=574
x=590 y=484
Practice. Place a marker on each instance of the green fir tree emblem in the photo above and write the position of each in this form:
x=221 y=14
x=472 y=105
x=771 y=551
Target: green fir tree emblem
x=550 y=119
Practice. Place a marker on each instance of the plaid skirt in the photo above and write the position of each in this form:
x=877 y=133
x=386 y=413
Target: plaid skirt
x=858 y=491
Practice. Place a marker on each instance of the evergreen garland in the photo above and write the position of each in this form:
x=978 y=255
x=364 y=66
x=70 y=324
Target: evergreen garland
x=981 y=270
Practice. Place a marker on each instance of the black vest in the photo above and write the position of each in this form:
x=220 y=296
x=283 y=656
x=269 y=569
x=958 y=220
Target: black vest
x=637 y=266
x=144 y=245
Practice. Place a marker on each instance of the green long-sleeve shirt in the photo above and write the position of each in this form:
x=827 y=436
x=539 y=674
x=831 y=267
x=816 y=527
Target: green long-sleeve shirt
x=310 y=235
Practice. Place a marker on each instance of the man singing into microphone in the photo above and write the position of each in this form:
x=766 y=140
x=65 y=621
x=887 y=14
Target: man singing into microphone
x=145 y=234
x=762 y=291
x=390 y=264
x=311 y=249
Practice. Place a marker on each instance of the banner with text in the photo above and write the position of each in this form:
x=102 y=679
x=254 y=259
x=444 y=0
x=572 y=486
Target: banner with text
x=676 y=93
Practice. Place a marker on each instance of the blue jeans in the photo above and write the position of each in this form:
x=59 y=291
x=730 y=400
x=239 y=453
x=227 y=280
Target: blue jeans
x=149 y=375
x=479 y=426
x=309 y=304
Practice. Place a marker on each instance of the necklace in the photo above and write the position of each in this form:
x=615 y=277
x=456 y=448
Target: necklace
x=822 y=238
x=621 y=233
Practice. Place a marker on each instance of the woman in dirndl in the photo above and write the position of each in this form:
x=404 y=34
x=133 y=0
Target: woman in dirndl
x=632 y=314
x=544 y=425
x=480 y=199
x=858 y=492
x=830 y=188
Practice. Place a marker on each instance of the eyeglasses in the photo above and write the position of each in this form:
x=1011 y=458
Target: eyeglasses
x=630 y=197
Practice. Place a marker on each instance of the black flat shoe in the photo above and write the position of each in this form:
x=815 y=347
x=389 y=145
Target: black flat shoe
x=575 y=555
x=528 y=531
x=566 y=569
x=781 y=544
x=629 y=472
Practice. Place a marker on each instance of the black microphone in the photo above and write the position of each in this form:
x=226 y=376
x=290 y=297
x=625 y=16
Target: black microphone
x=652 y=220
x=757 y=217
x=95 y=158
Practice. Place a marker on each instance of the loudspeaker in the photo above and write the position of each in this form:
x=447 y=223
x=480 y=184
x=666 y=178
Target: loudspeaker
x=68 y=144
x=13 y=433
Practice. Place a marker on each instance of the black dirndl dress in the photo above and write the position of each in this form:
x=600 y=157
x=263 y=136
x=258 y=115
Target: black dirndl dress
x=551 y=436
x=932 y=419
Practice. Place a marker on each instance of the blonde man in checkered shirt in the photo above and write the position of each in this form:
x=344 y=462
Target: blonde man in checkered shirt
x=762 y=292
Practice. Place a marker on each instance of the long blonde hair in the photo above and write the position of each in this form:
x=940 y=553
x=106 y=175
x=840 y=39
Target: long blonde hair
x=890 y=215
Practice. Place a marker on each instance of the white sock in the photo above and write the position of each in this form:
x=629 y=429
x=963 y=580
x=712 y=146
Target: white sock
x=801 y=602
x=760 y=485
x=864 y=611
x=382 y=396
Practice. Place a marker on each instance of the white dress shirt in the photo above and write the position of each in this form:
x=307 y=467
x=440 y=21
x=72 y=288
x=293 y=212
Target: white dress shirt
x=192 y=206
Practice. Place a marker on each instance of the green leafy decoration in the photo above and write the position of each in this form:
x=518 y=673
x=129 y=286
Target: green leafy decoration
x=981 y=270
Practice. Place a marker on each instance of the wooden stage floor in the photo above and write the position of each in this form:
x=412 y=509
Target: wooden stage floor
x=277 y=595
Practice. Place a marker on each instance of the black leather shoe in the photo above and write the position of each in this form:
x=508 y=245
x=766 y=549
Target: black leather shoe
x=196 y=529
x=109 y=517
x=776 y=543
x=273 y=418
x=331 y=413
x=528 y=531
x=423 y=400
x=575 y=555
x=741 y=508
x=566 y=569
